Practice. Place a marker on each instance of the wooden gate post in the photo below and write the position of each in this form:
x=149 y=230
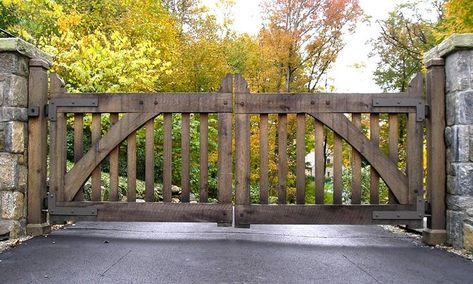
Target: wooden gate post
x=242 y=133
x=436 y=233
x=37 y=147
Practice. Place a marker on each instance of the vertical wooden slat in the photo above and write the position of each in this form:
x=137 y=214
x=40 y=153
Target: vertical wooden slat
x=97 y=173
x=149 y=161
x=185 y=152
x=282 y=158
x=415 y=166
x=242 y=196
x=300 y=159
x=58 y=143
x=263 y=157
x=356 y=166
x=225 y=163
x=131 y=168
x=204 y=156
x=167 y=156
x=337 y=169
x=114 y=155
x=37 y=147
x=78 y=146
x=374 y=176
x=436 y=171
x=393 y=147
x=319 y=162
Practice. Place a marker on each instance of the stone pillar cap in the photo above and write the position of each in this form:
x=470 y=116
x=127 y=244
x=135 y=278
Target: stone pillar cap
x=451 y=44
x=24 y=48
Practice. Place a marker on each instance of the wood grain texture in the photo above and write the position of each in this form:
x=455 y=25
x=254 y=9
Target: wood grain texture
x=242 y=195
x=185 y=154
x=263 y=159
x=300 y=158
x=131 y=168
x=388 y=171
x=317 y=214
x=37 y=144
x=225 y=151
x=149 y=161
x=204 y=157
x=155 y=212
x=436 y=171
x=319 y=162
x=114 y=163
x=77 y=176
x=167 y=157
x=305 y=103
x=393 y=121
x=58 y=144
x=154 y=102
x=374 y=176
x=96 y=130
x=282 y=158
x=356 y=166
x=337 y=169
x=79 y=146
x=415 y=133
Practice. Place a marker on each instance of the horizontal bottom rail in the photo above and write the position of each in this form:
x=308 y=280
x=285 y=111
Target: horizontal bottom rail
x=147 y=212
x=320 y=214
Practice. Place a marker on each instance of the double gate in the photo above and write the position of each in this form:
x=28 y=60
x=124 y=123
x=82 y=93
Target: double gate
x=372 y=145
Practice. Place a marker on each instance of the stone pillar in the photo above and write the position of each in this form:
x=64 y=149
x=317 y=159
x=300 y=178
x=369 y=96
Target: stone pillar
x=457 y=51
x=15 y=58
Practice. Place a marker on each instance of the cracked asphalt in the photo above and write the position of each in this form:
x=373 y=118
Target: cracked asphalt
x=204 y=253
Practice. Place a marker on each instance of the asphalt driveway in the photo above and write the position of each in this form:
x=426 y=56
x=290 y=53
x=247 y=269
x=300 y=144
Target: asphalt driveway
x=205 y=253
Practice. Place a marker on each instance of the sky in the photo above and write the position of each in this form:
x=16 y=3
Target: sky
x=343 y=75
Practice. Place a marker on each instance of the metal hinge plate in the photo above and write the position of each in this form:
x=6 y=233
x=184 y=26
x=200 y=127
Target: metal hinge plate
x=418 y=103
x=402 y=215
x=68 y=211
x=69 y=102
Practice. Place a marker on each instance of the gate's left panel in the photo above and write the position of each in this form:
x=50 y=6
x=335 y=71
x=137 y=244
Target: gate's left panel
x=149 y=157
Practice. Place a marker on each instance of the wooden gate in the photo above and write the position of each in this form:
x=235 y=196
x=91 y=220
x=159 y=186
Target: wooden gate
x=116 y=118
x=340 y=116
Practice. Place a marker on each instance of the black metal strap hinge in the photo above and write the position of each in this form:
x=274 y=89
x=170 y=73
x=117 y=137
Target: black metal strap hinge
x=402 y=215
x=418 y=103
x=66 y=210
x=69 y=102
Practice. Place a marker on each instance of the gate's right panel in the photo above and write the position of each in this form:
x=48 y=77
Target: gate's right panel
x=329 y=158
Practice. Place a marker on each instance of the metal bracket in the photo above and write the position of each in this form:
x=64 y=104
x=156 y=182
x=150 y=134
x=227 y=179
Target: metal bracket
x=68 y=211
x=418 y=103
x=33 y=111
x=70 y=102
x=402 y=215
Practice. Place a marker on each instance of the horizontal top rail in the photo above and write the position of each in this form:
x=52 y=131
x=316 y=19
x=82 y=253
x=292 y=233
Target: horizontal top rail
x=145 y=102
x=333 y=103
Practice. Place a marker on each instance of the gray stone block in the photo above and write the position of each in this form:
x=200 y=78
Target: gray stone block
x=13 y=114
x=14 y=63
x=8 y=171
x=15 y=137
x=460 y=180
x=13 y=205
x=2 y=136
x=459 y=107
x=455 y=221
x=14 y=90
x=12 y=228
x=459 y=203
x=457 y=140
x=458 y=70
